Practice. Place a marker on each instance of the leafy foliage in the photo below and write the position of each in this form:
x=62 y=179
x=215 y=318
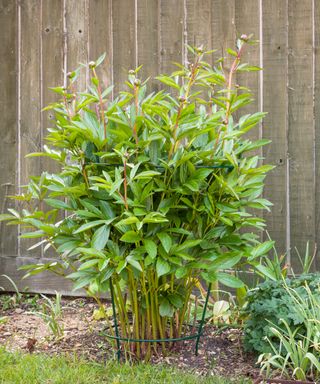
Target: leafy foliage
x=271 y=302
x=156 y=190
x=298 y=355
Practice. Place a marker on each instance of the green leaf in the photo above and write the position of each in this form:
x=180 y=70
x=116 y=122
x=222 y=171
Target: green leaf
x=181 y=272
x=151 y=248
x=175 y=299
x=57 y=204
x=100 y=237
x=89 y=225
x=229 y=280
x=165 y=240
x=32 y=235
x=128 y=221
x=91 y=252
x=261 y=249
x=6 y=216
x=168 y=81
x=226 y=261
x=88 y=264
x=267 y=272
x=165 y=308
x=107 y=274
x=146 y=175
x=187 y=244
x=162 y=267
x=131 y=237
x=130 y=259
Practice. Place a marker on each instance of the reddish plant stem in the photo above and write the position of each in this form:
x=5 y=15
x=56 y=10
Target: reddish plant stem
x=125 y=197
x=233 y=69
x=136 y=103
x=182 y=103
x=101 y=104
x=85 y=176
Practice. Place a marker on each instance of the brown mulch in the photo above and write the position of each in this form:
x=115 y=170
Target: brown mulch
x=220 y=351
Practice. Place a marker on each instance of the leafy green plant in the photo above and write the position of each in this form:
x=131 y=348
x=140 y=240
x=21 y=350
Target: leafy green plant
x=11 y=301
x=156 y=189
x=51 y=314
x=275 y=267
x=271 y=302
x=298 y=354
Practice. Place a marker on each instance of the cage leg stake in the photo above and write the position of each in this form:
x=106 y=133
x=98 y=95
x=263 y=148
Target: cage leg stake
x=202 y=319
x=115 y=321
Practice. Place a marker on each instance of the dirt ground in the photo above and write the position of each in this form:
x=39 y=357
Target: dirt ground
x=220 y=352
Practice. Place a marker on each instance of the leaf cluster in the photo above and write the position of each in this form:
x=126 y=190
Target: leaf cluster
x=271 y=302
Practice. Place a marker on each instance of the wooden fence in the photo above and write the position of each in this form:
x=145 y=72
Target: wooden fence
x=43 y=39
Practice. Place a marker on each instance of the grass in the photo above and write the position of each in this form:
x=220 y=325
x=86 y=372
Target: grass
x=16 y=368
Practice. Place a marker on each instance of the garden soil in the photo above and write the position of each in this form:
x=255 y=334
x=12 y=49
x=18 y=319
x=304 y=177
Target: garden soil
x=220 y=351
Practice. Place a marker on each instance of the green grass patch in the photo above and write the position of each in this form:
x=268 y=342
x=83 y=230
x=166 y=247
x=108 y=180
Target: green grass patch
x=41 y=369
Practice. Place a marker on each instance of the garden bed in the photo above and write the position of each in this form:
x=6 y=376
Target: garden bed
x=220 y=351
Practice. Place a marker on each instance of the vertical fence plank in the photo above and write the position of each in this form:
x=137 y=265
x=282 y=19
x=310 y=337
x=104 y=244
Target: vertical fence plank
x=171 y=34
x=316 y=72
x=76 y=22
x=199 y=24
x=100 y=37
x=148 y=40
x=8 y=121
x=124 y=40
x=51 y=68
x=223 y=27
x=275 y=124
x=301 y=126
x=52 y=59
x=30 y=129
x=247 y=19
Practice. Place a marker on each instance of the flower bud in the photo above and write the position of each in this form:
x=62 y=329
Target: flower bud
x=200 y=49
x=244 y=37
x=137 y=82
x=92 y=64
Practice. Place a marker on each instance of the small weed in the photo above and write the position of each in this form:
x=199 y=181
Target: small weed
x=51 y=314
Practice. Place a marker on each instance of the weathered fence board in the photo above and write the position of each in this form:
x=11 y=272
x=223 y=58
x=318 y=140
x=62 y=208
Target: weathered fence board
x=124 y=40
x=30 y=100
x=42 y=40
x=9 y=168
x=316 y=110
x=301 y=125
x=275 y=53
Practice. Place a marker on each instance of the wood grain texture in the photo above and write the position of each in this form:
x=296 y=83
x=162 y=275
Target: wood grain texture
x=52 y=67
x=171 y=34
x=43 y=283
x=100 y=38
x=275 y=124
x=52 y=61
x=316 y=110
x=223 y=34
x=124 y=41
x=247 y=19
x=30 y=101
x=77 y=34
x=301 y=126
x=148 y=37
x=8 y=121
x=200 y=25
